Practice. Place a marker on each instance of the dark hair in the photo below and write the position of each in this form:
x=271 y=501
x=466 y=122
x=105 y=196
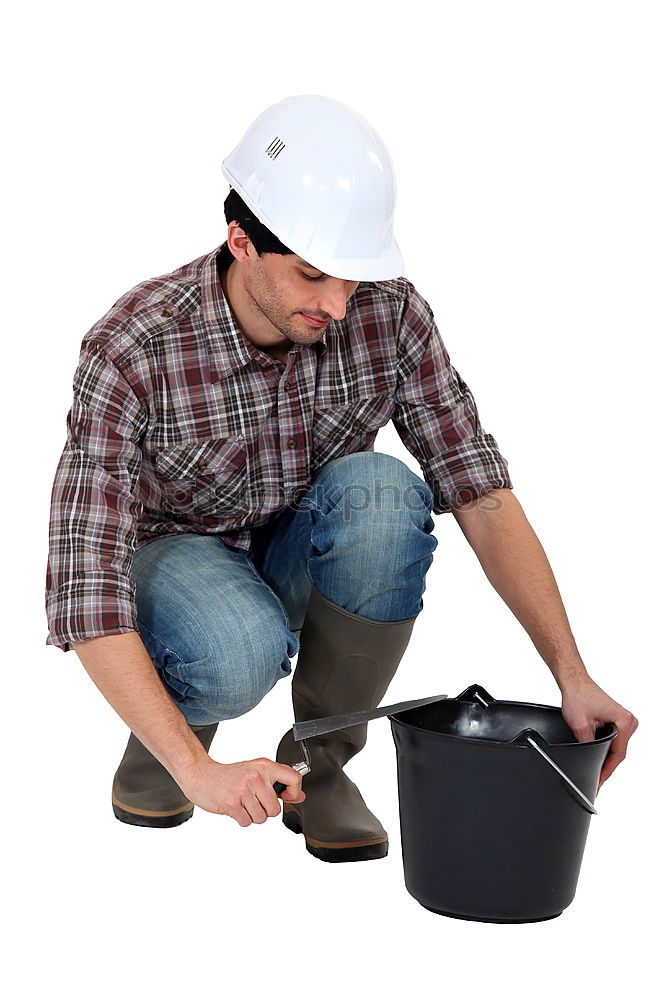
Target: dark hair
x=261 y=238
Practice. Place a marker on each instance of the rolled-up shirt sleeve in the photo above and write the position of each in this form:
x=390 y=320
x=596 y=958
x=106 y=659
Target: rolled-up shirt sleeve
x=94 y=509
x=436 y=416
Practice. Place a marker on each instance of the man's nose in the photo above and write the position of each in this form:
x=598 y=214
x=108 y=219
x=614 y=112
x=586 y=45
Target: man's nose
x=333 y=300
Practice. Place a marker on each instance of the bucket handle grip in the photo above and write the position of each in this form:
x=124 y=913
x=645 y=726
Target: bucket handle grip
x=528 y=734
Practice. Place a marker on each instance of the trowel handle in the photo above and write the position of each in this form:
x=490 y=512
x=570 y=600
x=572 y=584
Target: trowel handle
x=302 y=767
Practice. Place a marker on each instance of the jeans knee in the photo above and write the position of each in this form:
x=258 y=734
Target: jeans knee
x=370 y=483
x=373 y=537
x=233 y=679
x=373 y=486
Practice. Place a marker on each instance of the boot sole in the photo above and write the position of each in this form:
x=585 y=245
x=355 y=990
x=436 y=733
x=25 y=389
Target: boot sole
x=145 y=819
x=364 y=852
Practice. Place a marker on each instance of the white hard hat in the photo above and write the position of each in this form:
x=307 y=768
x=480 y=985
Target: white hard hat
x=321 y=180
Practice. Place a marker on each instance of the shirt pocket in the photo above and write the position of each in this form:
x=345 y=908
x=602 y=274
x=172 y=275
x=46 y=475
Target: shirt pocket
x=343 y=430
x=204 y=478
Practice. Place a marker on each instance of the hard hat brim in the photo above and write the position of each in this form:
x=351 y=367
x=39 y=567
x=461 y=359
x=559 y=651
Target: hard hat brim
x=389 y=264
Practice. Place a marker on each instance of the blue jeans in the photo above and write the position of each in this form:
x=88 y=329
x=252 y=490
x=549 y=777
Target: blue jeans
x=221 y=624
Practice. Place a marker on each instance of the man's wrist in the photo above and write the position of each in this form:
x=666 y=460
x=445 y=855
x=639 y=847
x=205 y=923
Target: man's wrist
x=569 y=672
x=189 y=761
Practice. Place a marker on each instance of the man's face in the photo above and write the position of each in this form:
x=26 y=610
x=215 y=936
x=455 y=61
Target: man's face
x=293 y=295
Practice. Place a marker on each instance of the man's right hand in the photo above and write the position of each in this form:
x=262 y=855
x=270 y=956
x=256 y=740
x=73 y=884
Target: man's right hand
x=243 y=791
x=125 y=674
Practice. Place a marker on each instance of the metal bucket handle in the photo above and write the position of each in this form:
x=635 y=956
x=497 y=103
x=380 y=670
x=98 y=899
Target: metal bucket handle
x=529 y=737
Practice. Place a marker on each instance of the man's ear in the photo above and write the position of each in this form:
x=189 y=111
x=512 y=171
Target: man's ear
x=239 y=243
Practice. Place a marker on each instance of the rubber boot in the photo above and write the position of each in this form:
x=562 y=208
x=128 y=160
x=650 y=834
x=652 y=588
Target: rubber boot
x=345 y=664
x=144 y=793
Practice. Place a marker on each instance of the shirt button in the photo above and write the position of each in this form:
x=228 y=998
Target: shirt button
x=298 y=493
x=355 y=427
x=287 y=385
x=291 y=443
x=169 y=311
x=202 y=463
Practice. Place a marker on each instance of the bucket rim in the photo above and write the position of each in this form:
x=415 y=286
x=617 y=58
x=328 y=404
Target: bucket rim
x=598 y=741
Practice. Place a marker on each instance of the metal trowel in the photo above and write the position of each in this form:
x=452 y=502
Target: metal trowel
x=317 y=727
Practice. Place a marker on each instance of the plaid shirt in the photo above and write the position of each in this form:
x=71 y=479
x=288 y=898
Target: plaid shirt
x=180 y=424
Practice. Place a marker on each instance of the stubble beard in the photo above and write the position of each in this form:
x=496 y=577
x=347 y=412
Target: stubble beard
x=286 y=323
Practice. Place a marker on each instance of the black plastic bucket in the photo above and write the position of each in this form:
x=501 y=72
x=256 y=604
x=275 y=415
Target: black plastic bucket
x=490 y=829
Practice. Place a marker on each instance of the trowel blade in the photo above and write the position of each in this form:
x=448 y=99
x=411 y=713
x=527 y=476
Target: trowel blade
x=317 y=727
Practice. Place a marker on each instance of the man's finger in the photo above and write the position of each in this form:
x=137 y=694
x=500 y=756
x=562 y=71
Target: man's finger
x=268 y=800
x=612 y=760
x=619 y=746
x=289 y=777
x=584 y=731
x=240 y=815
x=254 y=808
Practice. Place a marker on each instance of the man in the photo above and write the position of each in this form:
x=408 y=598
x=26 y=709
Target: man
x=218 y=505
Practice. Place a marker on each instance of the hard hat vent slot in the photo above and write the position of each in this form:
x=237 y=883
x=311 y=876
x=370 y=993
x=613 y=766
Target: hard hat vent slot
x=275 y=148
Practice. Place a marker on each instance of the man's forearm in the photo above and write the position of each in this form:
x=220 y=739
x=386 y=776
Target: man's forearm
x=517 y=567
x=125 y=674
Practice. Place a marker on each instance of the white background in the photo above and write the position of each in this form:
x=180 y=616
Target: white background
x=528 y=141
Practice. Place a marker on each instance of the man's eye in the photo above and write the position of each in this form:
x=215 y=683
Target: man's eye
x=309 y=277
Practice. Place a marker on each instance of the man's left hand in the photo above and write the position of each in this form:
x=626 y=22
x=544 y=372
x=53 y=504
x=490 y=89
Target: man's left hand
x=586 y=707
